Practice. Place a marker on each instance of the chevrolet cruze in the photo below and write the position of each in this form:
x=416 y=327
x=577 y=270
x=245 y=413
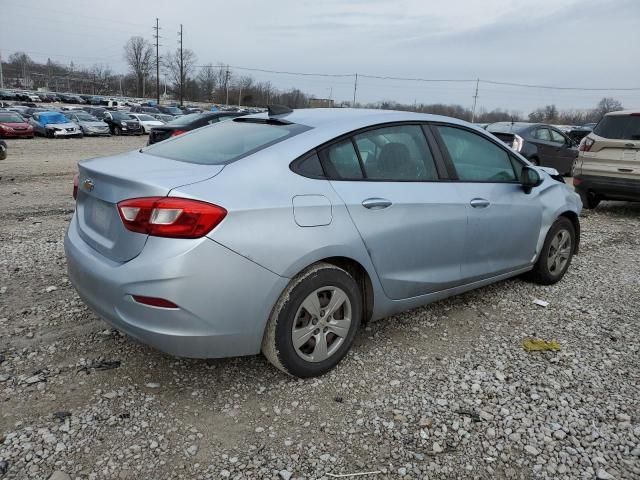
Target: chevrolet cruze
x=282 y=232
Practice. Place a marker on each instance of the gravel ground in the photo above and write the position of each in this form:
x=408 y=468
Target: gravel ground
x=445 y=391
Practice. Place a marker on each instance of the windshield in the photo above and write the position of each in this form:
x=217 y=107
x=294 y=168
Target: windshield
x=146 y=118
x=619 y=127
x=174 y=110
x=11 y=118
x=121 y=116
x=185 y=119
x=223 y=143
x=49 y=118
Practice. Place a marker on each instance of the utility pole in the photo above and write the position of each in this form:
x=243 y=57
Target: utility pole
x=181 y=69
x=1 y=77
x=240 y=96
x=475 y=101
x=226 y=86
x=157 y=37
x=355 y=88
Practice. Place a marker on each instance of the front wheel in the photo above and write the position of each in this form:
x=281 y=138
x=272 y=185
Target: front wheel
x=314 y=322
x=117 y=131
x=557 y=252
x=589 y=200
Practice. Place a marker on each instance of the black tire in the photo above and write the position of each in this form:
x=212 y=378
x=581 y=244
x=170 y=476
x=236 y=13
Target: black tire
x=319 y=280
x=542 y=273
x=117 y=131
x=535 y=161
x=589 y=200
x=3 y=151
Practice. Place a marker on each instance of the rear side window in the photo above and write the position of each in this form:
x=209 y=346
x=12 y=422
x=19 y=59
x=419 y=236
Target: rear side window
x=476 y=159
x=619 y=127
x=542 y=134
x=224 y=142
x=397 y=153
x=342 y=162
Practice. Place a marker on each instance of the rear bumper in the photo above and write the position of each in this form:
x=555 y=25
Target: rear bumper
x=224 y=299
x=608 y=187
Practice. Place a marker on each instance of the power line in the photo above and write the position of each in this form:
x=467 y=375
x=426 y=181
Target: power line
x=549 y=87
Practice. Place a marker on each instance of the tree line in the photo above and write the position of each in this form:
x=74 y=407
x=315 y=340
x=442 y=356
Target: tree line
x=216 y=83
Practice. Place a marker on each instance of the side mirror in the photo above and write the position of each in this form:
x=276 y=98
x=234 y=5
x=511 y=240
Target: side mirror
x=530 y=178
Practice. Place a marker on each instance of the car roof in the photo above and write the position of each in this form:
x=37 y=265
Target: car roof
x=624 y=112
x=353 y=118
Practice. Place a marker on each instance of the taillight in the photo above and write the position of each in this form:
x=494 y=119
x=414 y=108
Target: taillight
x=75 y=186
x=175 y=133
x=170 y=216
x=585 y=144
x=518 y=142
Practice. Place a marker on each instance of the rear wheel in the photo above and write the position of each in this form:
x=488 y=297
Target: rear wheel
x=314 y=322
x=589 y=200
x=557 y=252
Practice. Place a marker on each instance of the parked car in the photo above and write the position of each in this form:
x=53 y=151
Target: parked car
x=54 y=125
x=170 y=110
x=578 y=133
x=144 y=109
x=121 y=123
x=29 y=112
x=186 y=123
x=164 y=118
x=3 y=150
x=539 y=143
x=147 y=121
x=7 y=95
x=13 y=125
x=283 y=233
x=21 y=109
x=608 y=166
x=89 y=125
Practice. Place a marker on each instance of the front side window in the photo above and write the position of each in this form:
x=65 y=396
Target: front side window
x=398 y=153
x=476 y=159
x=557 y=137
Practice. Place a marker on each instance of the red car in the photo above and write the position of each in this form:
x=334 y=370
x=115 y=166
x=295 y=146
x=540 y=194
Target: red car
x=12 y=125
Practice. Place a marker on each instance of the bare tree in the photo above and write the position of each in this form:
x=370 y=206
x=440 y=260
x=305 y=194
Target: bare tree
x=207 y=79
x=605 y=106
x=21 y=61
x=139 y=54
x=172 y=63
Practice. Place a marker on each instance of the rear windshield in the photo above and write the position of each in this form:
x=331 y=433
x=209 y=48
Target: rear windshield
x=507 y=127
x=619 y=127
x=224 y=142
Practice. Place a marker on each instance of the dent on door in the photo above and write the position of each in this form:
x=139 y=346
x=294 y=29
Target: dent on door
x=311 y=210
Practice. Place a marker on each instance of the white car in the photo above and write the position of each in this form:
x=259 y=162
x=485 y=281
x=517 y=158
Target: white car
x=147 y=121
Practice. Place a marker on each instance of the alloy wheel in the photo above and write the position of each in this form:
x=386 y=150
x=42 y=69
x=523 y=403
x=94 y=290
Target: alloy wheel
x=559 y=252
x=321 y=324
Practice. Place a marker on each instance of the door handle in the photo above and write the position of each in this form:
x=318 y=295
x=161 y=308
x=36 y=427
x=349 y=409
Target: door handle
x=480 y=203
x=625 y=170
x=376 y=203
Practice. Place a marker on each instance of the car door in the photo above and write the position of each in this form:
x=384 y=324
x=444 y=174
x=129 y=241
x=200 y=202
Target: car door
x=503 y=221
x=411 y=223
x=563 y=151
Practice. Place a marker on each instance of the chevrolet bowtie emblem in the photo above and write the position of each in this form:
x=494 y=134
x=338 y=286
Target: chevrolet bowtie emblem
x=88 y=184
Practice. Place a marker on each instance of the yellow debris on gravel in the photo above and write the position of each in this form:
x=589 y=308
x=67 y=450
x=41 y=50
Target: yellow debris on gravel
x=539 y=345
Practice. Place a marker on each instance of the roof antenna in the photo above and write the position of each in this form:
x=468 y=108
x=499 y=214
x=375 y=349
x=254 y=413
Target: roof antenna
x=278 y=110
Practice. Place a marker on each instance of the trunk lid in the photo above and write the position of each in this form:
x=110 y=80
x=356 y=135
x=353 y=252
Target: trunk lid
x=103 y=182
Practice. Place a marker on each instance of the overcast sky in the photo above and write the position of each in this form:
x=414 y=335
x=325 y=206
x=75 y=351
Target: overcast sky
x=575 y=43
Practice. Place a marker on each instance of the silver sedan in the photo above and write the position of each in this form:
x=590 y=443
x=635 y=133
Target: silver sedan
x=282 y=233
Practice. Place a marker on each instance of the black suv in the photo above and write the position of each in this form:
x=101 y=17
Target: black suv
x=120 y=123
x=541 y=144
x=186 y=123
